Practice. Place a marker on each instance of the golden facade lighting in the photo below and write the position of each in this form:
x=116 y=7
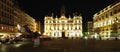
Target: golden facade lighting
x=106 y=22
x=63 y=26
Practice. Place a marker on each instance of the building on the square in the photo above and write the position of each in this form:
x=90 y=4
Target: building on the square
x=63 y=26
x=22 y=19
x=6 y=17
x=90 y=27
x=38 y=27
x=13 y=19
x=107 y=21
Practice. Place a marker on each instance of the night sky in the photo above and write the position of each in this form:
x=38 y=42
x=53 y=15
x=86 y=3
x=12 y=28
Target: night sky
x=40 y=8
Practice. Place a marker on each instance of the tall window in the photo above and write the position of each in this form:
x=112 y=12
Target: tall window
x=106 y=15
x=111 y=14
x=115 y=11
x=102 y=17
x=119 y=10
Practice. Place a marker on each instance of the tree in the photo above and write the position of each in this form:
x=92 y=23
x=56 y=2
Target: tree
x=85 y=34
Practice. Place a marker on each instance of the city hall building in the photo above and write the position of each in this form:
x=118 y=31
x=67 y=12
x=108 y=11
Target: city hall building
x=65 y=27
x=107 y=21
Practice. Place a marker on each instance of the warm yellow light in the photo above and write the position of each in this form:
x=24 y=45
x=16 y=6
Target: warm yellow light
x=60 y=28
x=48 y=27
x=60 y=21
x=77 y=27
x=39 y=32
x=52 y=28
x=109 y=22
x=117 y=21
x=65 y=25
x=18 y=26
x=105 y=23
x=113 y=22
x=2 y=28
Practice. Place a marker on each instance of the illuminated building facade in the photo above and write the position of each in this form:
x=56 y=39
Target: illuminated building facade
x=38 y=27
x=13 y=19
x=107 y=21
x=63 y=26
x=22 y=19
x=6 y=17
x=30 y=21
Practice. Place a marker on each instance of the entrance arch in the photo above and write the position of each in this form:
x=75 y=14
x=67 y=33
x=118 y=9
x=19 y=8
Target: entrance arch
x=63 y=34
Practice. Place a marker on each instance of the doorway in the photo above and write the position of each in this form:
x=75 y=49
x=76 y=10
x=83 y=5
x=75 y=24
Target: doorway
x=63 y=34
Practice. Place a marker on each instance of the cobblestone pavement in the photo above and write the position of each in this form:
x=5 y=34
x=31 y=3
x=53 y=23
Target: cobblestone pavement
x=67 y=45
